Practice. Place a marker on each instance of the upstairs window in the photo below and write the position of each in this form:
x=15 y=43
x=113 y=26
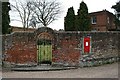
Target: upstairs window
x=93 y=20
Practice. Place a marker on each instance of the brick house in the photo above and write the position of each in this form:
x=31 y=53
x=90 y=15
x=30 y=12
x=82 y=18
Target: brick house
x=102 y=21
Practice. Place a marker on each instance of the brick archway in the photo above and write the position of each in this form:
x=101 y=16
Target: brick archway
x=45 y=37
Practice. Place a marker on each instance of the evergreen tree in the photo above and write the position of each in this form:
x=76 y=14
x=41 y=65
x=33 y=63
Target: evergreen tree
x=70 y=20
x=83 y=19
x=5 y=18
x=117 y=9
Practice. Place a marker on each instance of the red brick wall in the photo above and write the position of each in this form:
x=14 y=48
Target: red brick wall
x=67 y=51
x=23 y=49
x=14 y=28
x=67 y=46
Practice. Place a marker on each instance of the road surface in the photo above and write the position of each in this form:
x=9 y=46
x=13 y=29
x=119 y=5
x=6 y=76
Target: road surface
x=104 y=71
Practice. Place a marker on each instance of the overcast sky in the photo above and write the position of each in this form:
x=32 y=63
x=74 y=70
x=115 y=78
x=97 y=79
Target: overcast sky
x=93 y=6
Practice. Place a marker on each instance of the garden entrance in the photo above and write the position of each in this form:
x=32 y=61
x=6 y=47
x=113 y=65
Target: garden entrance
x=44 y=48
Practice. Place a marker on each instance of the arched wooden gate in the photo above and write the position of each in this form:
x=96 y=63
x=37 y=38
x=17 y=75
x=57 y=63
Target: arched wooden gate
x=44 y=48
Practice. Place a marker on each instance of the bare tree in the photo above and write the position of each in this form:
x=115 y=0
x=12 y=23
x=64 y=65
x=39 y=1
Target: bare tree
x=46 y=11
x=33 y=22
x=24 y=11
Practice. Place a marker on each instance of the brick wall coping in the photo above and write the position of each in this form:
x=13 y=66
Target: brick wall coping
x=112 y=32
x=87 y=32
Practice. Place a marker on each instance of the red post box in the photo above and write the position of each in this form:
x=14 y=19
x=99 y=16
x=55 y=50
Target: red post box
x=86 y=44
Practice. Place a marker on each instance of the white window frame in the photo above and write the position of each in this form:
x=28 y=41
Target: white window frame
x=94 y=21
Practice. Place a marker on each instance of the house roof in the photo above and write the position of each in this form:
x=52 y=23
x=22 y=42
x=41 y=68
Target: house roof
x=100 y=12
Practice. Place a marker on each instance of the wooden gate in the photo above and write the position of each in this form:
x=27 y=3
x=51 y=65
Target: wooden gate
x=44 y=47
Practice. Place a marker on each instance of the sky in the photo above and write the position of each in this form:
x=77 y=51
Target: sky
x=93 y=6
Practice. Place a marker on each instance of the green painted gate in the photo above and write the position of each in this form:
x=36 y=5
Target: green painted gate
x=44 y=48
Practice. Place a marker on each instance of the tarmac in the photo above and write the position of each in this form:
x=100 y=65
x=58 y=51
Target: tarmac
x=104 y=71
